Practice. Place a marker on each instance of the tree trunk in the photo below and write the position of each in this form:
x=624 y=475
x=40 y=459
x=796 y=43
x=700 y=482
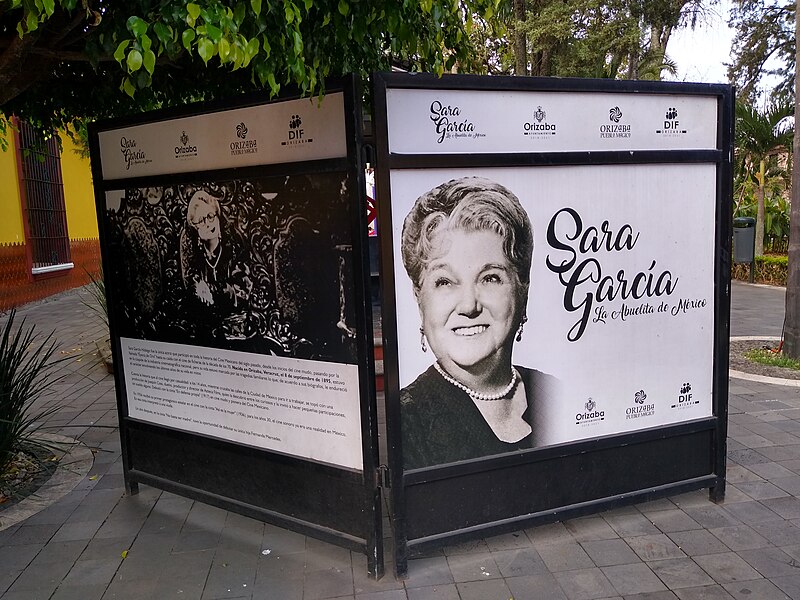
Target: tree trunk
x=792 y=322
x=761 y=210
x=520 y=41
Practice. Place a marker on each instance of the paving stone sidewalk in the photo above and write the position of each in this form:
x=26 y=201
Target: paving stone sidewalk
x=679 y=547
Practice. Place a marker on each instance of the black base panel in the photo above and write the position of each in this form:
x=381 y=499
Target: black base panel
x=328 y=498
x=493 y=496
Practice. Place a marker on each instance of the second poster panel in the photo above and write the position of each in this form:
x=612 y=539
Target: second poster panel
x=573 y=290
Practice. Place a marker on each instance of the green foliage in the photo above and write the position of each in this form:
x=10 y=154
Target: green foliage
x=26 y=371
x=775 y=359
x=761 y=134
x=602 y=38
x=764 y=32
x=97 y=293
x=171 y=52
x=777 y=208
x=762 y=165
x=770 y=269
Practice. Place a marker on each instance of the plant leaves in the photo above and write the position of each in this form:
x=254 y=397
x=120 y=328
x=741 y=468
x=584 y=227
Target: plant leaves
x=119 y=54
x=205 y=48
x=134 y=60
x=187 y=37
x=193 y=10
x=224 y=49
x=149 y=60
x=137 y=26
x=163 y=32
x=215 y=33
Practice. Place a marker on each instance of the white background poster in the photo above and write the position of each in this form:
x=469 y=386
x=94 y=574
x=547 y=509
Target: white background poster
x=624 y=363
x=298 y=407
x=465 y=121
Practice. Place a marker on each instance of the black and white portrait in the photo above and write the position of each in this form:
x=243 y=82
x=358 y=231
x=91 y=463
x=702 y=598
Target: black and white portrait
x=260 y=265
x=467 y=247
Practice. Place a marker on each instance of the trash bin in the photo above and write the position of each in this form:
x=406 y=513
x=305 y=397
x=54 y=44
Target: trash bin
x=744 y=239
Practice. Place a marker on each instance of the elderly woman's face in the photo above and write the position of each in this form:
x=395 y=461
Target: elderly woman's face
x=206 y=221
x=468 y=299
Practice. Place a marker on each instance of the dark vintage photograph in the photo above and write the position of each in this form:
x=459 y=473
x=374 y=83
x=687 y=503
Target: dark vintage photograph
x=263 y=265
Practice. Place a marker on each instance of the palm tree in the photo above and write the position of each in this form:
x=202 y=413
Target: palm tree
x=761 y=139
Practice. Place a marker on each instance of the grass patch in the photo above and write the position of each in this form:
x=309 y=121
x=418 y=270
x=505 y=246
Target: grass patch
x=773 y=359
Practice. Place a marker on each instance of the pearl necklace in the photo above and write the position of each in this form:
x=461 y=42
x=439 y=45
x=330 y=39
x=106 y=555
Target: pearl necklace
x=477 y=395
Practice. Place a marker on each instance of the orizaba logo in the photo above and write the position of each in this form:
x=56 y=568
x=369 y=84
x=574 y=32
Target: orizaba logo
x=590 y=414
x=243 y=145
x=672 y=124
x=539 y=127
x=640 y=409
x=450 y=124
x=685 y=397
x=131 y=153
x=296 y=134
x=185 y=150
x=615 y=129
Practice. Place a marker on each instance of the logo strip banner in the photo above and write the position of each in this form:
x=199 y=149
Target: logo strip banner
x=457 y=122
x=313 y=130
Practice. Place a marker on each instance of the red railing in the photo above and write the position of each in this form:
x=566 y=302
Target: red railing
x=18 y=287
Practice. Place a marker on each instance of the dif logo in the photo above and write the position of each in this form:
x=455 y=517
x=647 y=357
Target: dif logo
x=295 y=133
x=672 y=126
x=671 y=119
x=685 y=398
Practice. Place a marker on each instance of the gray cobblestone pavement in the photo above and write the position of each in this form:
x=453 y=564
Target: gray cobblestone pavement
x=97 y=543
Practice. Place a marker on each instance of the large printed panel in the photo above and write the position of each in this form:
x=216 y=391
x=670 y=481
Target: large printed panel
x=458 y=121
x=298 y=407
x=235 y=311
x=608 y=327
x=310 y=129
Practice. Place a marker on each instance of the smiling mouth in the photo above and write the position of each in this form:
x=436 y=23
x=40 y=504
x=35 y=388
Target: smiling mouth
x=470 y=331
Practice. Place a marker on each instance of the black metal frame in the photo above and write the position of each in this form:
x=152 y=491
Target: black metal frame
x=434 y=506
x=333 y=504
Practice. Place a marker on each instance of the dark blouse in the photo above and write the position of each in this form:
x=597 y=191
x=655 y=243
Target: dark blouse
x=441 y=424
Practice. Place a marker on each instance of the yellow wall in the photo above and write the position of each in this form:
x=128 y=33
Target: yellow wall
x=11 y=221
x=78 y=194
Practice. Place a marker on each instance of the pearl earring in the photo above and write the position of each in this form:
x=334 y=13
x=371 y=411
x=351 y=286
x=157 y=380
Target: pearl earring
x=422 y=340
x=519 y=329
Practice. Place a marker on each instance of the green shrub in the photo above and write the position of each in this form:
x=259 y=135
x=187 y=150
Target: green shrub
x=26 y=371
x=771 y=269
x=97 y=291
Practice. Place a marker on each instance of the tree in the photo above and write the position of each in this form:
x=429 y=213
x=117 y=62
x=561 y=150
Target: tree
x=761 y=139
x=600 y=38
x=792 y=322
x=61 y=60
x=765 y=34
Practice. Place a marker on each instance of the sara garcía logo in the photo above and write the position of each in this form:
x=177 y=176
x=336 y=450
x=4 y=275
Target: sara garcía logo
x=131 y=153
x=296 y=135
x=450 y=123
x=243 y=145
x=539 y=127
x=185 y=149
